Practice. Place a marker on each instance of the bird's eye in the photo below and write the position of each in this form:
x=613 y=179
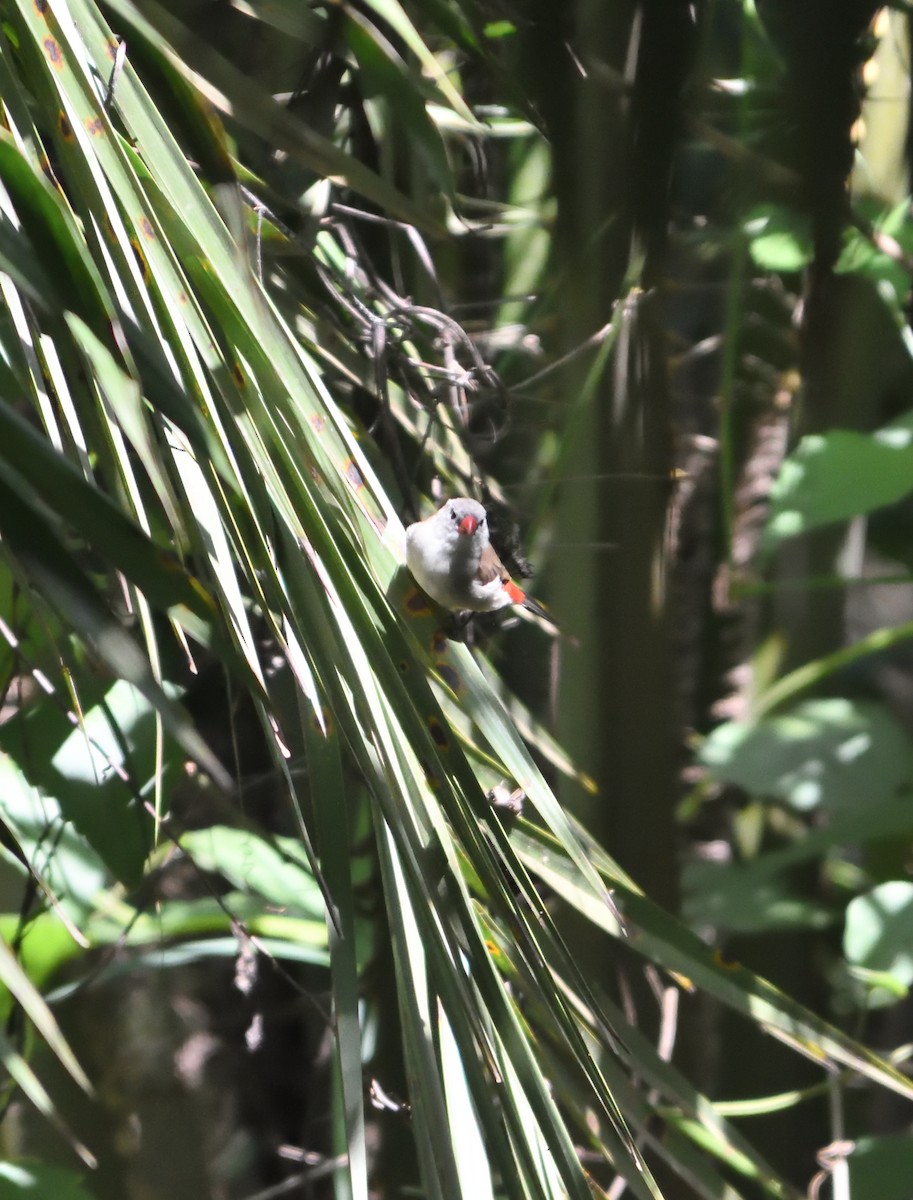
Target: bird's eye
x=454 y=515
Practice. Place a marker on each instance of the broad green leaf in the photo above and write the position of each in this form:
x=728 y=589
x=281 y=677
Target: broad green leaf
x=277 y=872
x=835 y=754
x=732 y=898
x=878 y=255
x=74 y=874
x=780 y=238
x=837 y=475
x=25 y=1179
x=96 y=770
x=878 y=937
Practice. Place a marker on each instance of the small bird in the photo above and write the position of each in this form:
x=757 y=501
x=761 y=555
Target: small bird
x=451 y=558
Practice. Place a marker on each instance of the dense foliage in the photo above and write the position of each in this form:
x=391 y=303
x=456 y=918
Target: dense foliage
x=276 y=277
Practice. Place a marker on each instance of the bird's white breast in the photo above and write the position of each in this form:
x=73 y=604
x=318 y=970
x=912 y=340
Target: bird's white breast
x=443 y=561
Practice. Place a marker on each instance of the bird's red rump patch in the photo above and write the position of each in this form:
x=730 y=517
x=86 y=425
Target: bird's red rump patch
x=468 y=525
x=516 y=594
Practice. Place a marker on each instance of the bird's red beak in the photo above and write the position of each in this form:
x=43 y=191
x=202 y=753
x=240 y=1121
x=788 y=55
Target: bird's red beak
x=468 y=525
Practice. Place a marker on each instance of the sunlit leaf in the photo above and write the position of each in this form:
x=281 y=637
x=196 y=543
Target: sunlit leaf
x=877 y=934
x=820 y=753
x=837 y=475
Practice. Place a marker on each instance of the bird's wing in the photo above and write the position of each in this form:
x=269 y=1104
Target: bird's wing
x=491 y=567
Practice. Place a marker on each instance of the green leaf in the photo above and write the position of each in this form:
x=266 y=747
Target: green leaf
x=74 y=280
x=879 y=255
x=383 y=72
x=279 y=873
x=53 y=572
x=27 y=1180
x=780 y=238
x=232 y=92
x=14 y=978
x=103 y=523
x=879 y=930
x=665 y=940
x=835 y=753
x=734 y=899
x=837 y=475
x=395 y=15
x=756 y=894
x=95 y=771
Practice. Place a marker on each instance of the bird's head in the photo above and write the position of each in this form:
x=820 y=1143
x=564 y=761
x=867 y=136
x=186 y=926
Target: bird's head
x=466 y=516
